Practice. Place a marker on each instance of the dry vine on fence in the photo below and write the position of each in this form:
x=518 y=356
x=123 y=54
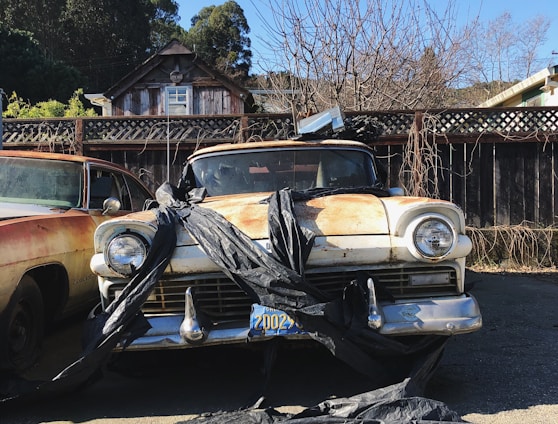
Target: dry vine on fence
x=508 y=247
x=422 y=164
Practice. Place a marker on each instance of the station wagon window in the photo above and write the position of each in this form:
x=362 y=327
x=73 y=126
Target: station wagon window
x=105 y=184
x=41 y=182
x=138 y=194
x=179 y=100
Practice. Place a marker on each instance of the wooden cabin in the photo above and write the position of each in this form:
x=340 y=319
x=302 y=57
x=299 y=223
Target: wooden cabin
x=174 y=81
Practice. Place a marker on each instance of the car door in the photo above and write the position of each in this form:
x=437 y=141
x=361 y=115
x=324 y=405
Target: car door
x=103 y=182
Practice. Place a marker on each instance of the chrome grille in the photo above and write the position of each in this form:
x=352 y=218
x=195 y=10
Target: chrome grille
x=220 y=299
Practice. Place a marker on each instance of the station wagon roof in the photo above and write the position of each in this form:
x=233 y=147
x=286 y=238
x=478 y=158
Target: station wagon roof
x=278 y=144
x=56 y=156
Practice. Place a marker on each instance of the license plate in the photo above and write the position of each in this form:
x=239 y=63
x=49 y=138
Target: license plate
x=272 y=322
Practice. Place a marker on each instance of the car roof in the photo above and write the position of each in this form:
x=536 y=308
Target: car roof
x=58 y=156
x=278 y=143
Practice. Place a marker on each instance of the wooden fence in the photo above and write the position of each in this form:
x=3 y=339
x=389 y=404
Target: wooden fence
x=499 y=164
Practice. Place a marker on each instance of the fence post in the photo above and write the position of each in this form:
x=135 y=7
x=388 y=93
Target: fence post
x=413 y=152
x=79 y=136
x=243 y=128
x=1 y=123
x=419 y=119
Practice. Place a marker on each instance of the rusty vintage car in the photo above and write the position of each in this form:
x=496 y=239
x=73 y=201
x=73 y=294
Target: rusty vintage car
x=50 y=205
x=406 y=254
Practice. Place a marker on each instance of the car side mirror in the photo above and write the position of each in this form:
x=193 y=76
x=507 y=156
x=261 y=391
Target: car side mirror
x=111 y=205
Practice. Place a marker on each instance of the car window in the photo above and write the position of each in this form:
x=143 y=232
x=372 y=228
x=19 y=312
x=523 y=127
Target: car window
x=41 y=182
x=138 y=194
x=298 y=169
x=104 y=184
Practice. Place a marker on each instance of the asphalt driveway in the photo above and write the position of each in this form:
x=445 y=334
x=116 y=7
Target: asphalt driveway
x=505 y=373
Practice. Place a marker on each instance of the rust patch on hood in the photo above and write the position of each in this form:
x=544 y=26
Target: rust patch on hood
x=341 y=214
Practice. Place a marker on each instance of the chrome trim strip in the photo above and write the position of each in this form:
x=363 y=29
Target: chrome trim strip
x=444 y=316
x=375 y=319
x=190 y=329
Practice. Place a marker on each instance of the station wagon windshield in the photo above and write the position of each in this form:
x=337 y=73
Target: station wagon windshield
x=41 y=182
x=298 y=169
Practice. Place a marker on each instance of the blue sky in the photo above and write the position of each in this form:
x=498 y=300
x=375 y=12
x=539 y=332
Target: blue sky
x=520 y=10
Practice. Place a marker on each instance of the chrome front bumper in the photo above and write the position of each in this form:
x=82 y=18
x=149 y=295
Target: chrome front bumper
x=442 y=316
x=445 y=316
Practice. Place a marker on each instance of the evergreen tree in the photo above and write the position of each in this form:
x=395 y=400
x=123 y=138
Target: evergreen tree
x=164 y=25
x=104 y=40
x=219 y=34
x=25 y=69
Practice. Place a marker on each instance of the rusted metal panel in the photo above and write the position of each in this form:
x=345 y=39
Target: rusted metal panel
x=48 y=218
x=360 y=214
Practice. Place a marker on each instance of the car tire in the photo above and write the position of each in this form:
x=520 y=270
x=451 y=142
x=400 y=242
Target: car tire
x=23 y=328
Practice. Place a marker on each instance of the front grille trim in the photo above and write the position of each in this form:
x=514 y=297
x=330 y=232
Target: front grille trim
x=219 y=299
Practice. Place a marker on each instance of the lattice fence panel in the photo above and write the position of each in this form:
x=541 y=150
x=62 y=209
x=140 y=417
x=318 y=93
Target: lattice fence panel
x=502 y=122
x=391 y=123
x=269 y=128
x=49 y=133
x=505 y=121
x=159 y=129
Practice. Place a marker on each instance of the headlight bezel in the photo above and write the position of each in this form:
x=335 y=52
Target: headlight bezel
x=134 y=241
x=420 y=223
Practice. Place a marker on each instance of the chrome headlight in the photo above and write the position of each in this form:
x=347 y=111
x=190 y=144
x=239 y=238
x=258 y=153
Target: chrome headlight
x=126 y=253
x=433 y=237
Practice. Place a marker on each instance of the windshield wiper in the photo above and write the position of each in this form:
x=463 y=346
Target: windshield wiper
x=327 y=191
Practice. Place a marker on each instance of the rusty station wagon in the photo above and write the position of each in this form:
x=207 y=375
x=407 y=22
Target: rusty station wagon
x=411 y=251
x=50 y=205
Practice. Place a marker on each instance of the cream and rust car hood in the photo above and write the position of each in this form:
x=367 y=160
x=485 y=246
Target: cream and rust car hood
x=19 y=210
x=340 y=214
x=332 y=215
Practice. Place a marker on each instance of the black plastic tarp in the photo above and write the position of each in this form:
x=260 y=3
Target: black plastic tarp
x=275 y=280
x=393 y=404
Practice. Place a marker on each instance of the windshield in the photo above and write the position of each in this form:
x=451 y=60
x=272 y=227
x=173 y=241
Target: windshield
x=271 y=170
x=41 y=182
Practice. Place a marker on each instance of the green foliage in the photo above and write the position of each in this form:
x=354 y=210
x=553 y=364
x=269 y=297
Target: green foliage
x=26 y=70
x=164 y=26
x=18 y=108
x=219 y=34
x=106 y=39
x=76 y=107
x=40 y=18
x=99 y=40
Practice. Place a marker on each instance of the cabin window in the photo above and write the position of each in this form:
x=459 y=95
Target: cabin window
x=179 y=100
x=532 y=98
